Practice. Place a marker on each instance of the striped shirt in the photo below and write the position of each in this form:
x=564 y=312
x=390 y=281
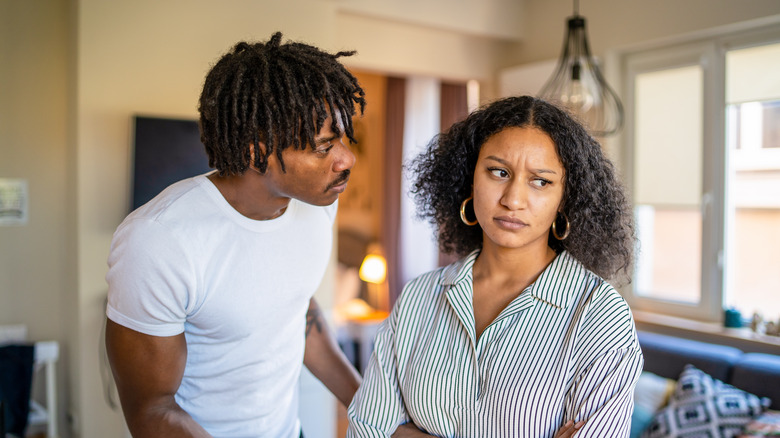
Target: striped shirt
x=564 y=349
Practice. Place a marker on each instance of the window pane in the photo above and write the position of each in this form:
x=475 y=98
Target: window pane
x=667 y=183
x=753 y=181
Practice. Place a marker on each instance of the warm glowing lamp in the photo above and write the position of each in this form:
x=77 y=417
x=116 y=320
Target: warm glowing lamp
x=373 y=271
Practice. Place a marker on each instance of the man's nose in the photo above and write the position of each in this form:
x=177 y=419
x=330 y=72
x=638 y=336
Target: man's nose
x=345 y=159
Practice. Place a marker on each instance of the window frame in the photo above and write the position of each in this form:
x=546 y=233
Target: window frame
x=709 y=52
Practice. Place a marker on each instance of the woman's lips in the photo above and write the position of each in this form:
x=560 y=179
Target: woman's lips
x=509 y=222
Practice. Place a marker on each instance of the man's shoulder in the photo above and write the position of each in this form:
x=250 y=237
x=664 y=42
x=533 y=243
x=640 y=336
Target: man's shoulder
x=176 y=196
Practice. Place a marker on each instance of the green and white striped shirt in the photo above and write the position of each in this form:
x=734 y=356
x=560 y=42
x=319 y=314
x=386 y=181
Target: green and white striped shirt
x=564 y=349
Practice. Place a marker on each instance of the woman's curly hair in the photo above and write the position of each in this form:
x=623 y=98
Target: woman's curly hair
x=275 y=94
x=600 y=216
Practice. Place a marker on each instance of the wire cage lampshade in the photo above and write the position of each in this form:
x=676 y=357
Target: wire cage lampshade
x=578 y=85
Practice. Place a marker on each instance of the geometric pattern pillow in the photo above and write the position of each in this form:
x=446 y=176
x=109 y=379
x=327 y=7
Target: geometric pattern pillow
x=703 y=407
x=651 y=393
x=767 y=424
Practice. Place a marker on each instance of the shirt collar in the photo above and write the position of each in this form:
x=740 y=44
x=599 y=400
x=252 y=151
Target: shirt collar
x=556 y=285
x=460 y=270
x=563 y=280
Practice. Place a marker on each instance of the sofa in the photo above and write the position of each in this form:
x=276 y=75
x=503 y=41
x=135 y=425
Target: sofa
x=703 y=389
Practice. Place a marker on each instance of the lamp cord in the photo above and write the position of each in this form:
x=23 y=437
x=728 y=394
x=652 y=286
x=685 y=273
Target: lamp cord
x=576 y=7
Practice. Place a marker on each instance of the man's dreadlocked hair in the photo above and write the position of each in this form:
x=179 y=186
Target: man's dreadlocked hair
x=275 y=94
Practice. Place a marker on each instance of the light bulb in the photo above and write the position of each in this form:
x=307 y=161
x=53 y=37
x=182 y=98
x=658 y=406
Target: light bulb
x=373 y=269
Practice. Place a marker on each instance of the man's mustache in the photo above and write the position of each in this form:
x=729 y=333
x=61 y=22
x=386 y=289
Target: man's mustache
x=344 y=177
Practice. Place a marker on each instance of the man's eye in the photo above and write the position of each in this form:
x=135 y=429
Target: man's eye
x=325 y=148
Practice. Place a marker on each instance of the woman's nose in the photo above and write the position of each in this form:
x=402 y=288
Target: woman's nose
x=515 y=195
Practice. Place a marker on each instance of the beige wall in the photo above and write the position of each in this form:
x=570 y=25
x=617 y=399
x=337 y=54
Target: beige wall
x=36 y=284
x=615 y=24
x=33 y=146
x=73 y=72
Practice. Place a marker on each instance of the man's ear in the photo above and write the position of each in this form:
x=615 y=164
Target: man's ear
x=260 y=146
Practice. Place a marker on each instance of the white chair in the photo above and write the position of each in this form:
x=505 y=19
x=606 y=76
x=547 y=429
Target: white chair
x=46 y=354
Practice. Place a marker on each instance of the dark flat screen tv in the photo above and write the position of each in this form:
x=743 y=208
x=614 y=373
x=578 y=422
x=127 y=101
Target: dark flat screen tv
x=165 y=150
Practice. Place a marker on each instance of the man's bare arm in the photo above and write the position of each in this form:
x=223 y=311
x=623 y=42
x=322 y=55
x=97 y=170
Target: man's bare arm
x=148 y=371
x=325 y=360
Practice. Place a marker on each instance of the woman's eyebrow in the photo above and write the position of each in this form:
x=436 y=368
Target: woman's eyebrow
x=506 y=163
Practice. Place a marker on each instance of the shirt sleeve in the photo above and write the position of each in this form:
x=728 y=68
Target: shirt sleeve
x=602 y=396
x=149 y=279
x=378 y=408
x=602 y=392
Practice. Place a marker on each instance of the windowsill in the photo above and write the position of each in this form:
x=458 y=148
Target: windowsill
x=742 y=338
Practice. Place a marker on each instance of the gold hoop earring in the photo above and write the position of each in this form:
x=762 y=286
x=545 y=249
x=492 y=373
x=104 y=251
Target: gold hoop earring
x=555 y=232
x=463 y=213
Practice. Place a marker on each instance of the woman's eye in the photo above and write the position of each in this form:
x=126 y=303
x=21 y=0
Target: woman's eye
x=540 y=182
x=501 y=173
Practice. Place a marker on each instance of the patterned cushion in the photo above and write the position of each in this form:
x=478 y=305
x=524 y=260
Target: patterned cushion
x=768 y=424
x=703 y=407
x=652 y=392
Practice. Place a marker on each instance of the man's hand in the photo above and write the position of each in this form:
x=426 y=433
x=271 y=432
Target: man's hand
x=148 y=371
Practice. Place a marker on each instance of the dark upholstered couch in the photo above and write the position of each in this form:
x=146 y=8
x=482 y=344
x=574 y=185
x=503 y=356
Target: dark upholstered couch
x=756 y=373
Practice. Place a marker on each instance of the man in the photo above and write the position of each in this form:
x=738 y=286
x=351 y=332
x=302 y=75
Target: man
x=210 y=312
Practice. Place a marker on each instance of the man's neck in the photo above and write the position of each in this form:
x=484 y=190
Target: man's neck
x=249 y=195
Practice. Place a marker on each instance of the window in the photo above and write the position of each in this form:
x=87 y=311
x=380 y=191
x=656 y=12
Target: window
x=753 y=180
x=703 y=164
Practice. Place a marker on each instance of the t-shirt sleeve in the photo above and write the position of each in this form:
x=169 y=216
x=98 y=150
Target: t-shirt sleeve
x=150 y=279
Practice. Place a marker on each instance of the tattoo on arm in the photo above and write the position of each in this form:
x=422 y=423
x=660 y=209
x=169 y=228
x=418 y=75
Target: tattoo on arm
x=313 y=319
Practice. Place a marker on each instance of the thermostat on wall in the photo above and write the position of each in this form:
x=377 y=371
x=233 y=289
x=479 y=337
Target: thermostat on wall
x=13 y=201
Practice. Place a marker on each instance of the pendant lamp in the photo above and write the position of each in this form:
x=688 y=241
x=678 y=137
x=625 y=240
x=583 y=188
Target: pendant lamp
x=578 y=85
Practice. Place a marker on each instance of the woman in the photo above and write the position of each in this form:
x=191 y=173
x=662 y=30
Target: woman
x=523 y=336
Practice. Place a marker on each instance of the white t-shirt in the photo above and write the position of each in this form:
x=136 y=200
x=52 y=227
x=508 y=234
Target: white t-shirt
x=239 y=290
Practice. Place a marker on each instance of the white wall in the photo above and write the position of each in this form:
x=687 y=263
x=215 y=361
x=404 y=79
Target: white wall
x=501 y=19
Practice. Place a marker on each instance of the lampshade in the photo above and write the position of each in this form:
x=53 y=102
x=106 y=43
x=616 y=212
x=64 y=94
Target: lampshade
x=373 y=269
x=579 y=86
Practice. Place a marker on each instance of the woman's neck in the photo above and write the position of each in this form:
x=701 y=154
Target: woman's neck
x=519 y=267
